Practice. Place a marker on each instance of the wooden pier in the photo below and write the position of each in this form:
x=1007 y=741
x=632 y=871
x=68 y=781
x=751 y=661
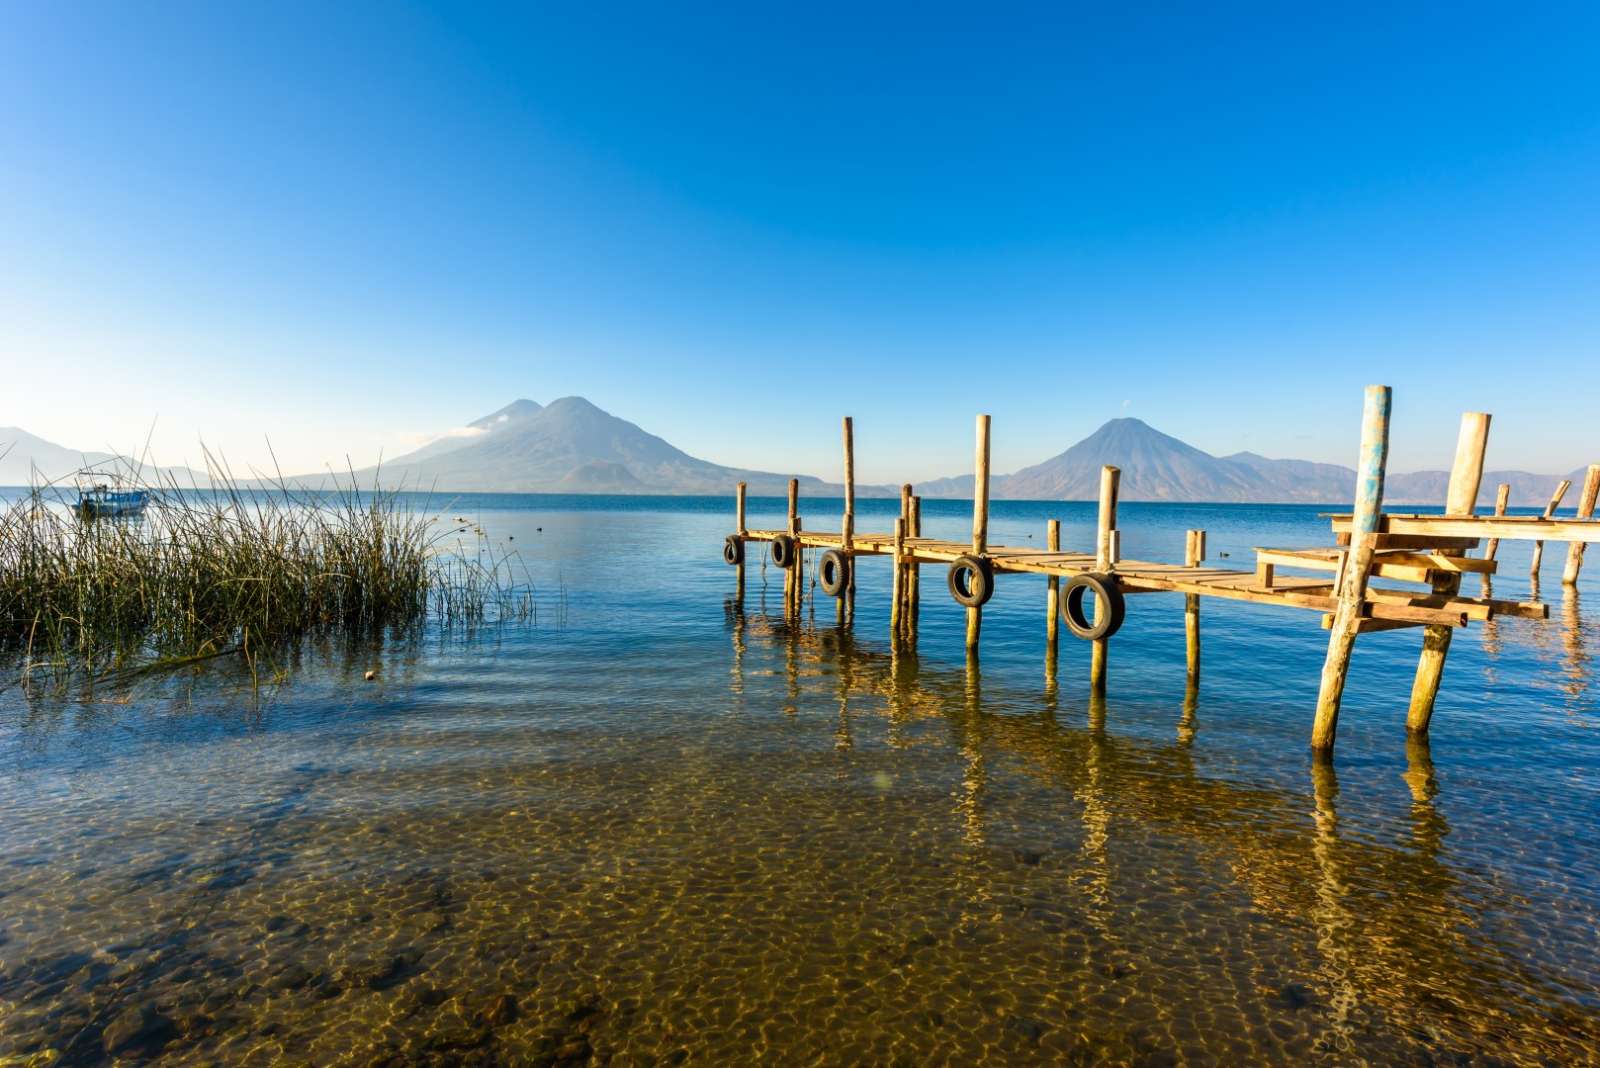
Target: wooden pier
x=1431 y=551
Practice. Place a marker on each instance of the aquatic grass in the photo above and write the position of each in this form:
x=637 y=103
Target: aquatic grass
x=232 y=569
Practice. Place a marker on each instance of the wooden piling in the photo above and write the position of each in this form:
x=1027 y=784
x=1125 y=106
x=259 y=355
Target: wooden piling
x=980 y=521
x=1052 y=596
x=791 y=574
x=914 y=573
x=1352 y=584
x=1105 y=555
x=740 y=529
x=847 y=528
x=1586 y=503
x=897 y=580
x=1461 y=499
x=1194 y=551
x=1549 y=510
x=1502 y=497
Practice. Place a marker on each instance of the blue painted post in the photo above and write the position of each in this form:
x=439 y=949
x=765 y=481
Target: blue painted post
x=1352 y=590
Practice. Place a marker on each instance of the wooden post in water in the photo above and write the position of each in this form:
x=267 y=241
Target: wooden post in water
x=791 y=575
x=913 y=572
x=903 y=586
x=739 y=529
x=1586 y=502
x=1549 y=510
x=847 y=529
x=898 y=580
x=1052 y=600
x=1466 y=474
x=1105 y=555
x=1351 y=585
x=1502 y=497
x=980 y=522
x=1194 y=551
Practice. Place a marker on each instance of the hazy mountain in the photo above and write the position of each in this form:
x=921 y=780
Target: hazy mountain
x=509 y=418
x=1159 y=467
x=570 y=446
x=26 y=459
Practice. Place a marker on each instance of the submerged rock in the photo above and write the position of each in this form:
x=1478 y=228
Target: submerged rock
x=138 y=1031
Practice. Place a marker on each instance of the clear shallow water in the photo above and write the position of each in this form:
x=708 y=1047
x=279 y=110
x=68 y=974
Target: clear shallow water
x=654 y=828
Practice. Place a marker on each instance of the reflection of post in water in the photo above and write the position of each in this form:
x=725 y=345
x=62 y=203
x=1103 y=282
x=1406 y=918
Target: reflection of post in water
x=791 y=663
x=842 y=738
x=736 y=671
x=1186 y=722
x=974 y=777
x=1428 y=827
x=1572 y=642
x=1331 y=917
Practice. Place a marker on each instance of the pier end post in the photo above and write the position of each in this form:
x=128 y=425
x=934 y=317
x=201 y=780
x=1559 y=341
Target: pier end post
x=1194 y=551
x=1104 y=559
x=980 y=521
x=1586 y=503
x=1461 y=499
x=913 y=570
x=1352 y=588
x=791 y=575
x=740 y=529
x=847 y=527
x=1052 y=601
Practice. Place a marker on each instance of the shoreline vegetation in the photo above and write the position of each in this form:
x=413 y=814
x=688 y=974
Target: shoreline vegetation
x=234 y=571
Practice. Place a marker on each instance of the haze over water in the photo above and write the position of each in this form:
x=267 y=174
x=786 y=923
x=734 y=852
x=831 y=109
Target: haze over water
x=655 y=827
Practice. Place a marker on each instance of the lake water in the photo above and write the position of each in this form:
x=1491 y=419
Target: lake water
x=654 y=828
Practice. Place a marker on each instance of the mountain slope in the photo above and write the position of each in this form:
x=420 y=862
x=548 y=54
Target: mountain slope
x=570 y=446
x=26 y=459
x=1155 y=467
x=510 y=418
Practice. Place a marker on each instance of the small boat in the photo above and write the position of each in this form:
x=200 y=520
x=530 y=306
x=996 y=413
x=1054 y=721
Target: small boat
x=100 y=497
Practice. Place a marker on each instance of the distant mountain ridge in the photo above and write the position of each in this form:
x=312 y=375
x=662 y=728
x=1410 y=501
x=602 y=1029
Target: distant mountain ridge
x=1159 y=467
x=569 y=446
x=572 y=446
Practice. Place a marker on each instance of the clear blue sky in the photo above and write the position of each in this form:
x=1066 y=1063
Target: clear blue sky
x=350 y=227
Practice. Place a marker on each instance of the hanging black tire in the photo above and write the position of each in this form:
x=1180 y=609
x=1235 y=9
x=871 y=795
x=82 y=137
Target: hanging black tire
x=784 y=550
x=971 y=580
x=1112 y=607
x=833 y=573
x=733 y=550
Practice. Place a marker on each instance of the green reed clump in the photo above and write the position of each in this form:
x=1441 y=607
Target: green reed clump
x=229 y=570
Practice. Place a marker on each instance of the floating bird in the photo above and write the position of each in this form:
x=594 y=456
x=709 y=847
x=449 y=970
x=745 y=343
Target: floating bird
x=370 y=675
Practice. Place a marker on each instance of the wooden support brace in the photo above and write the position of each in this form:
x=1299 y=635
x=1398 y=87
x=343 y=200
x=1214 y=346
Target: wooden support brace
x=1549 y=510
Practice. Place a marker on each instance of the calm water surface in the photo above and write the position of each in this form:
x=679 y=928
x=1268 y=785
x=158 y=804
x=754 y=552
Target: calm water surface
x=656 y=828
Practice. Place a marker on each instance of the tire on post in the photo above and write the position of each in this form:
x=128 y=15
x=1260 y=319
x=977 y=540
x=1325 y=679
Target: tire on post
x=833 y=573
x=733 y=550
x=784 y=551
x=1112 y=606
x=971 y=580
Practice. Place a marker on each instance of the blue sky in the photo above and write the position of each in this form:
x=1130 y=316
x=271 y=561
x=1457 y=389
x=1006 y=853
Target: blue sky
x=347 y=228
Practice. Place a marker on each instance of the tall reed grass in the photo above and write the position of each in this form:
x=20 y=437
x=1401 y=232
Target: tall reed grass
x=231 y=570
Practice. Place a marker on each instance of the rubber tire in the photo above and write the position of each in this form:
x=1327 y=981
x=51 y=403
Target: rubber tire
x=733 y=551
x=784 y=551
x=979 y=588
x=839 y=564
x=1109 y=593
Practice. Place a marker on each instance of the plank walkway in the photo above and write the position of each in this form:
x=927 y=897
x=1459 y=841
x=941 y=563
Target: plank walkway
x=1432 y=551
